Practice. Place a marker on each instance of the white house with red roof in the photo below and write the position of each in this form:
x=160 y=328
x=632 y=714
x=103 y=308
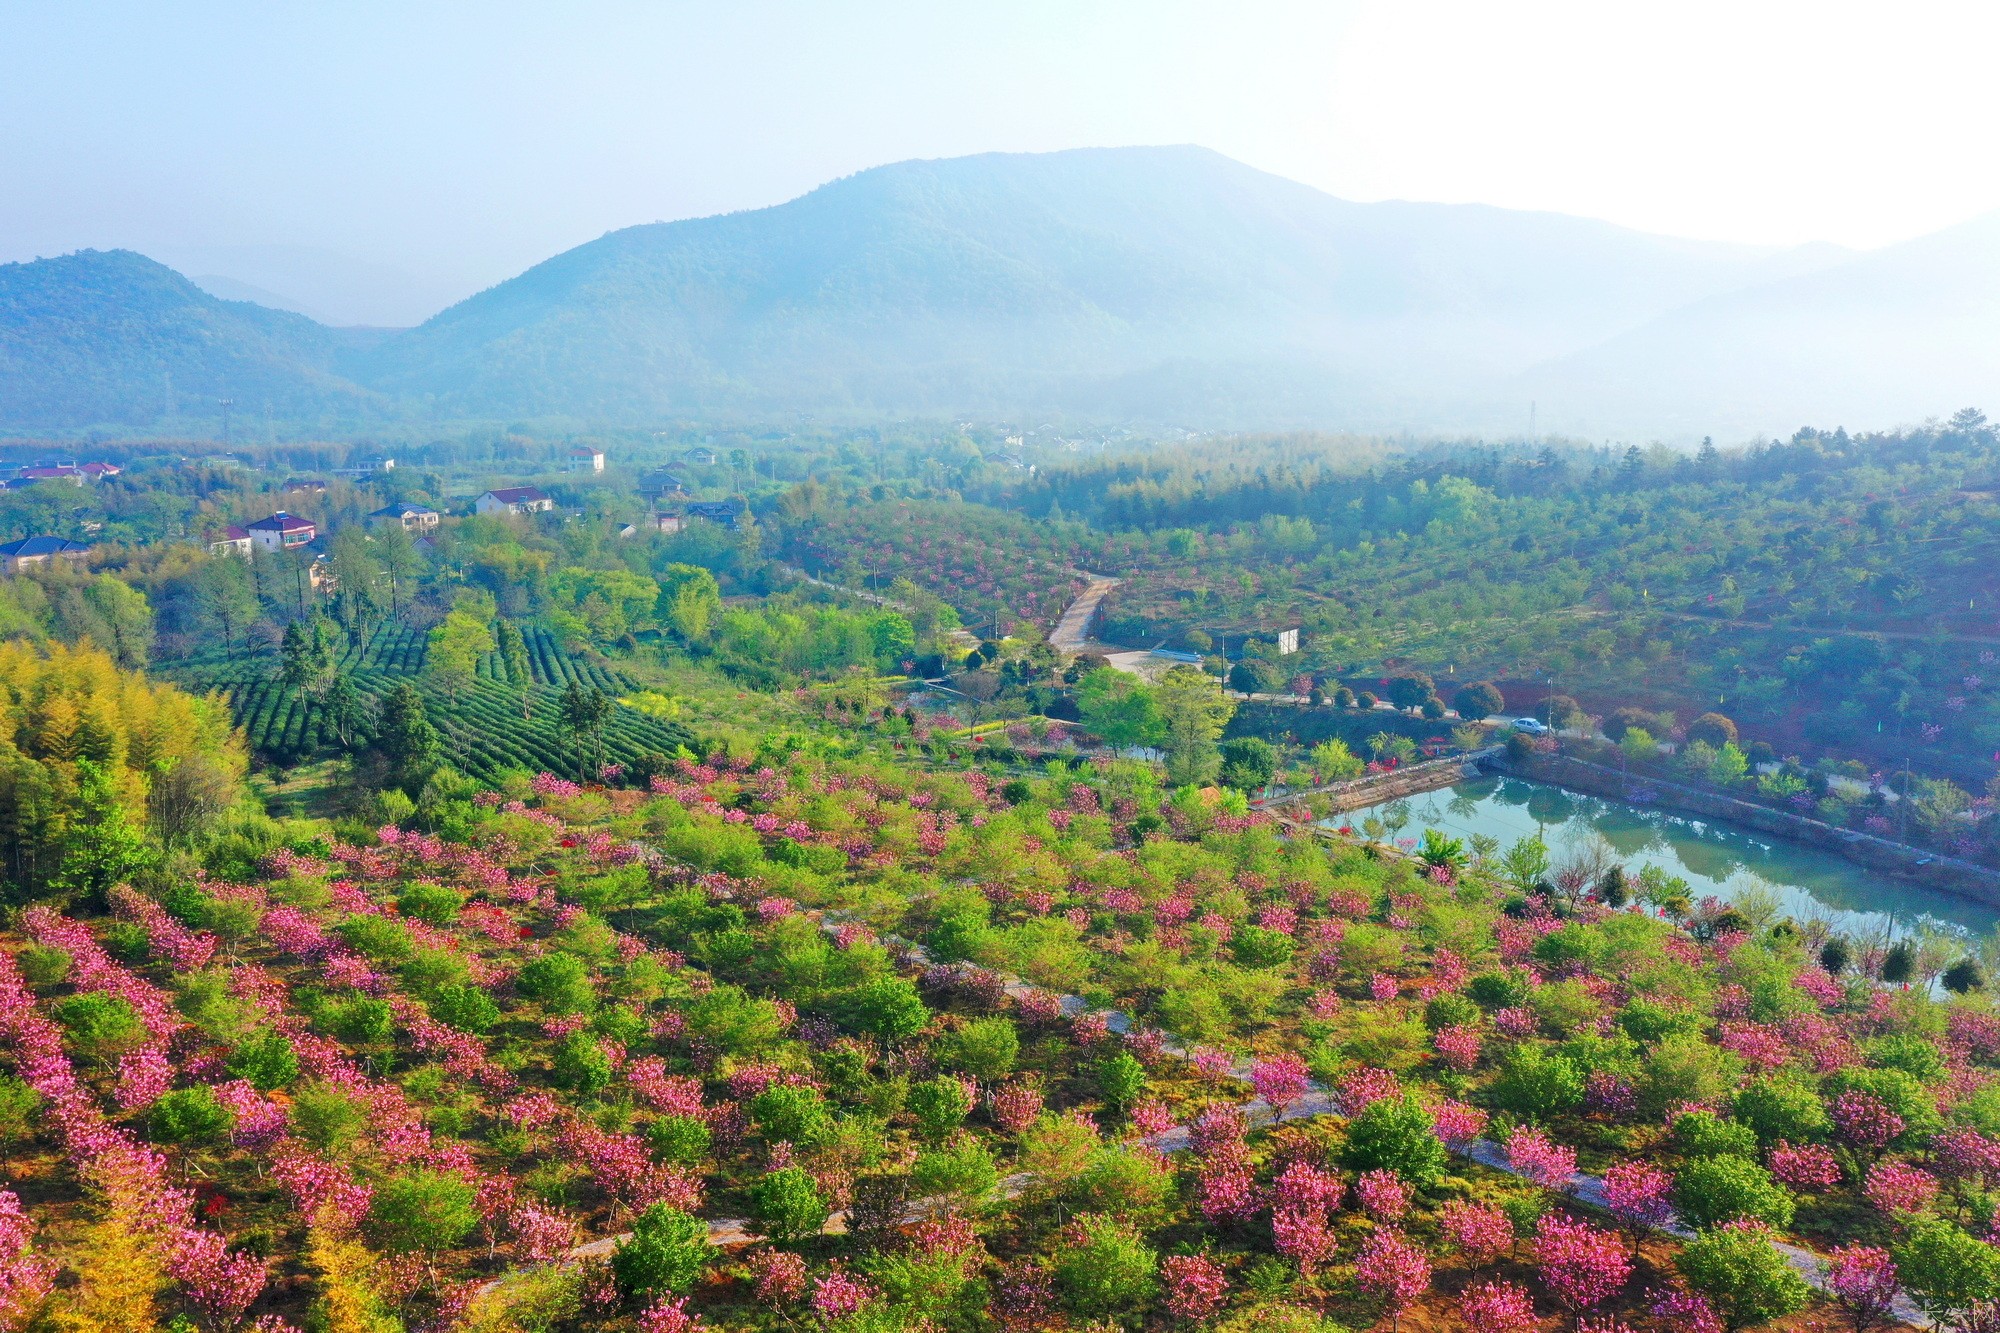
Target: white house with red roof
x=232 y=540
x=281 y=532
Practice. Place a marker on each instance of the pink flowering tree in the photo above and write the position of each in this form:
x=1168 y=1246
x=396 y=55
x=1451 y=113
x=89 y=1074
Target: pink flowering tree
x=1394 y=1270
x=1497 y=1307
x=1581 y=1266
x=1459 y=1125
x=1865 y=1126
x=1638 y=1194
x=1480 y=1232
x=1898 y=1187
x=1808 y=1166
x=1457 y=1047
x=1684 y=1311
x=1384 y=1195
x=1302 y=1201
x=1280 y=1081
x=1195 y=1285
x=1536 y=1157
x=26 y=1277
x=1862 y=1282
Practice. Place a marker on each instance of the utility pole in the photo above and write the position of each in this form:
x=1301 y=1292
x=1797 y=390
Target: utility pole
x=226 y=404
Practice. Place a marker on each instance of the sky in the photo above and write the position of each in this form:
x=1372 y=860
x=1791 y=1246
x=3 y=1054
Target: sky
x=373 y=162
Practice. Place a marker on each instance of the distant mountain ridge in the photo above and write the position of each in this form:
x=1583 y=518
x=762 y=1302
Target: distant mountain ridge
x=1149 y=284
x=111 y=338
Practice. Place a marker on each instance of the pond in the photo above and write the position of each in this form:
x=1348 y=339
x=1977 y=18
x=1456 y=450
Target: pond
x=1713 y=858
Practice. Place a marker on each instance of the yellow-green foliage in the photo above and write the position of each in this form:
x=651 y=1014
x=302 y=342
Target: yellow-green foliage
x=170 y=758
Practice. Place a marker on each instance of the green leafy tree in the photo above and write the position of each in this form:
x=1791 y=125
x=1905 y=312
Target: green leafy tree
x=20 y=1114
x=226 y=598
x=665 y=1254
x=345 y=708
x=1105 y=1269
x=406 y=740
x=101 y=1027
x=327 y=1117
x=1122 y=1078
x=940 y=1106
x=689 y=601
x=888 y=1008
x=1946 y=1270
x=1781 y=1109
x=1479 y=700
x=961 y=1171
x=1537 y=1083
x=986 y=1048
x=513 y=647
x=1712 y=1190
x=1411 y=691
x=1248 y=762
x=451 y=658
x=101 y=845
x=362 y=1021
x=189 y=1119
x=267 y=1060
x=581 y=1065
x=1119 y=709
x=1743 y=1275
x=422 y=1210
x=1526 y=863
x=1193 y=713
x=465 y=1007
x=1396 y=1134
x=790 y=1114
x=585 y=710
x=788 y=1205
x=560 y=982
x=1332 y=761
x=1705 y=1134
x=679 y=1139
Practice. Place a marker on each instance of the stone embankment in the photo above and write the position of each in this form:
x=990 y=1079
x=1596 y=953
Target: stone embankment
x=1946 y=873
x=1375 y=788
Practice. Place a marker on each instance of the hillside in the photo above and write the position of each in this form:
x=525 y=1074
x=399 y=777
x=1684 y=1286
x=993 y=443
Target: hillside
x=112 y=338
x=1899 y=334
x=1132 y=284
x=1146 y=281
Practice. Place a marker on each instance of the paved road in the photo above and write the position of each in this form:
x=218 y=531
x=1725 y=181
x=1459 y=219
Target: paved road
x=1072 y=632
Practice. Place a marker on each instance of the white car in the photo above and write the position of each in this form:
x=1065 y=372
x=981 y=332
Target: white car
x=1530 y=726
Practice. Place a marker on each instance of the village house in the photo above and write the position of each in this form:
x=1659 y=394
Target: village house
x=513 y=500
x=409 y=517
x=232 y=540
x=282 y=531
x=583 y=458
x=18 y=555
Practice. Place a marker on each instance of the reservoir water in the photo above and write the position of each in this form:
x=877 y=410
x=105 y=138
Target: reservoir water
x=1713 y=858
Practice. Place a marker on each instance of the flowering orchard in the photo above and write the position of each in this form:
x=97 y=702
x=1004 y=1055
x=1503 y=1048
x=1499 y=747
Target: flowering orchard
x=791 y=1044
x=1000 y=568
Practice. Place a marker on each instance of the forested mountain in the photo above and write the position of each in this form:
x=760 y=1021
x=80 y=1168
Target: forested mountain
x=111 y=338
x=1120 y=281
x=1150 y=285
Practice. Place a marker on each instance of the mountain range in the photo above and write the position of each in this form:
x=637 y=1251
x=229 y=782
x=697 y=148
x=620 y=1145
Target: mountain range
x=1133 y=284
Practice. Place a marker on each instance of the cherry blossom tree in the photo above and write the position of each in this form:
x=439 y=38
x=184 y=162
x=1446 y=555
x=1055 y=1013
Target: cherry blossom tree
x=1393 y=1269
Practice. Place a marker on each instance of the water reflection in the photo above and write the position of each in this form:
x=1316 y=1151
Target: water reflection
x=1712 y=858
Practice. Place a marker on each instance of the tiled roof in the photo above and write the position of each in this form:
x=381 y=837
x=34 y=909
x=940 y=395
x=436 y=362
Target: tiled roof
x=42 y=545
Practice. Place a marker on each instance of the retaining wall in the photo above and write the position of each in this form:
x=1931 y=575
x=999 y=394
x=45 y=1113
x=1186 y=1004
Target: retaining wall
x=1930 y=869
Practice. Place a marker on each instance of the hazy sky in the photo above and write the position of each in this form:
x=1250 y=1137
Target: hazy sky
x=376 y=161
